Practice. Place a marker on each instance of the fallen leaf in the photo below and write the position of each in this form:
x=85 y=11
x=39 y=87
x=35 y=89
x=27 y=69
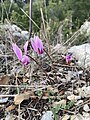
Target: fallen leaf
x=25 y=80
x=46 y=94
x=20 y=97
x=66 y=117
x=62 y=102
x=4 y=80
x=73 y=117
x=50 y=88
x=79 y=117
x=11 y=107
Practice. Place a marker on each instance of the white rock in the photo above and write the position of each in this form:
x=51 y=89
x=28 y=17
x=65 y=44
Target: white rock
x=9 y=117
x=84 y=91
x=85 y=28
x=47 y=116
x=86 y=114
x=79 y=102
x=59 y=48
x=86 y=108
x=15 y=31
x=17 y=34
x=3 y=100
x=73 y=97
x=15 y=28
x=25 y=34
x=80 y=72
x=82 y=54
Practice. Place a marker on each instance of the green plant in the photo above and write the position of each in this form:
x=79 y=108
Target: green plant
x=39 y=93
x=56 y=109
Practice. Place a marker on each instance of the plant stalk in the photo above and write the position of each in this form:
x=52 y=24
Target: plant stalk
x=30 y=22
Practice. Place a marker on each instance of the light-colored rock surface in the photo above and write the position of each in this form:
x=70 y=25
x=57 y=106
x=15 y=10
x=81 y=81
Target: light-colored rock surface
x=85 y=29
x=82 y=54
x=47 y=115
x=84 y=91
x=59 y=48
x=15 y=31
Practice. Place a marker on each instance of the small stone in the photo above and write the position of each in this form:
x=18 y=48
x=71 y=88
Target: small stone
x=47 y=116
x=73 y=97
x=86 y=108
x=66 y=117
x=79 y=102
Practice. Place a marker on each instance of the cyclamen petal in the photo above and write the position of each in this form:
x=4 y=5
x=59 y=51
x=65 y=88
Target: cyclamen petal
x=40 y=51
x=68 y=58
x=25 y=60
x=34 y=46
x=37 y=45
x=17 y=51
x=25 y=47
x=38 y=42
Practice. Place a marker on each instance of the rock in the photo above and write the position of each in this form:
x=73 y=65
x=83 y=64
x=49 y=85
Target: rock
x=15 y=28
x=79 y=102
x=3 y=100
x=9 y=117
x=48 y=115
x=73 y=97
x=15 y=31
x=86 y=108
x=59 y=49
x=85 y=28
x=84 y=91
x=25 y=34
x=82 y=54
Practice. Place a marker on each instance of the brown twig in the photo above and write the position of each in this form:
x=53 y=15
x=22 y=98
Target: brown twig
x=41 y=68
x=52 y=63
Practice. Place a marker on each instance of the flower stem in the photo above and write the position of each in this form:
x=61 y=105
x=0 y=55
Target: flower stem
x=41 y=68
x=51 y=61
x=30 y=14
x=48 y=55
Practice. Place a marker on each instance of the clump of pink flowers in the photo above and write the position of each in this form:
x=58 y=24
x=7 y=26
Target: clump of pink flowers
x=23 y=58
x=36 y=44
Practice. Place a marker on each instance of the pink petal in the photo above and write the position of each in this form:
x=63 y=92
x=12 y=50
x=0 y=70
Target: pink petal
x=25 y=47
x=37 y=45
x=34 y=46
x=25 y=60
x=68 y=58
x=17 y=51
x=38 y=42
x=40 y=51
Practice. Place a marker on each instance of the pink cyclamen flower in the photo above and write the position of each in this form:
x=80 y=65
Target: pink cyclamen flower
x=68 y=58
x=37 y=45
x=23 y=58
